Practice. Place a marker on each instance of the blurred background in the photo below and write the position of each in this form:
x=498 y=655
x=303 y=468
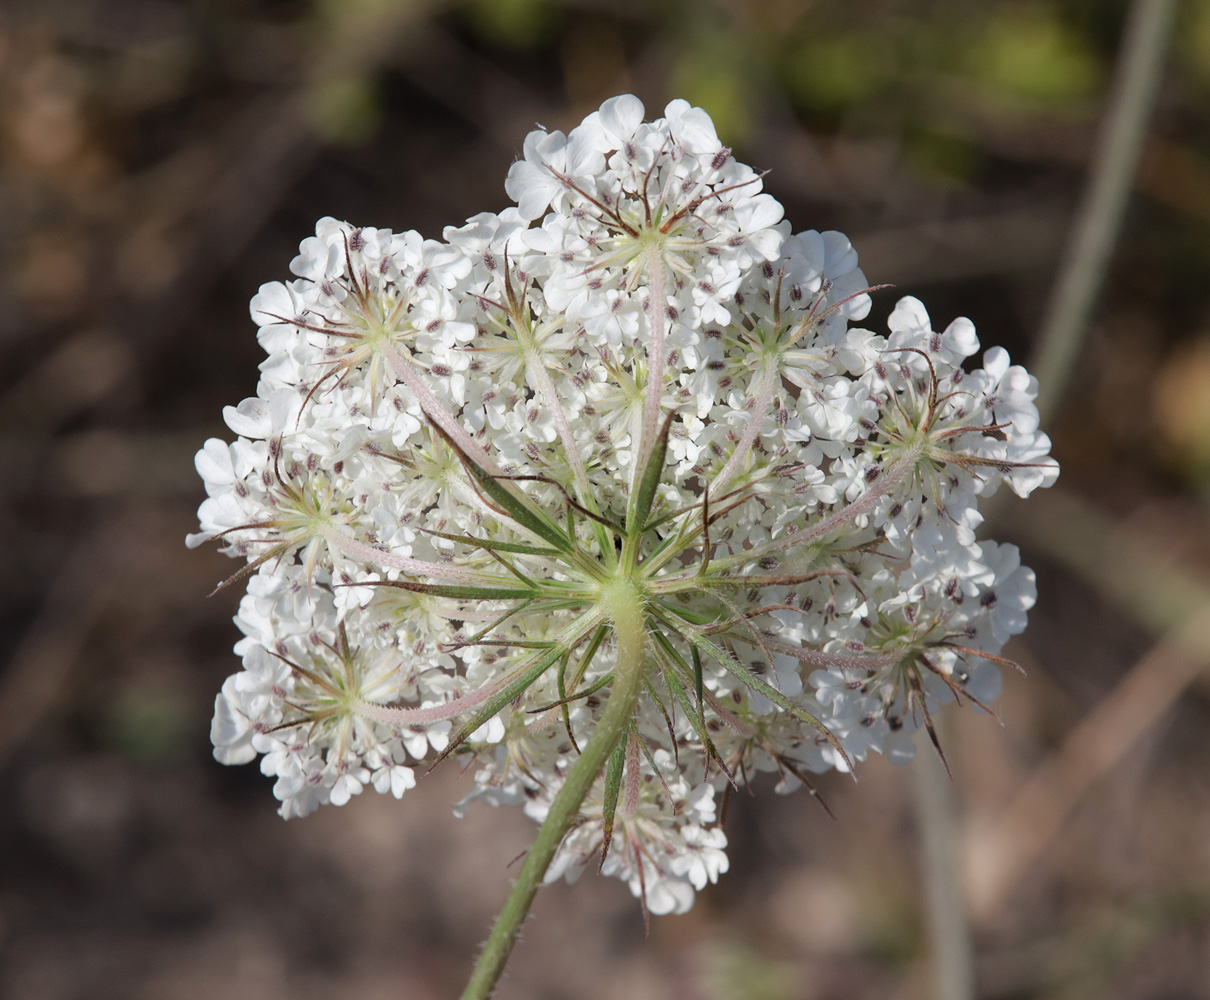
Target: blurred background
x=159 y=160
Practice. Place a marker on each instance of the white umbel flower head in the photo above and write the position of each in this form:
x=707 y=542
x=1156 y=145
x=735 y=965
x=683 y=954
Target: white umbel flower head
x=611 y=472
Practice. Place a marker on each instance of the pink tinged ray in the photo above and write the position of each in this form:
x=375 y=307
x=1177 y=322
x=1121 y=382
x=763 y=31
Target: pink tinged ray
x=407 y=374
x=413 y=567
x=658 y=310
x=756 y=417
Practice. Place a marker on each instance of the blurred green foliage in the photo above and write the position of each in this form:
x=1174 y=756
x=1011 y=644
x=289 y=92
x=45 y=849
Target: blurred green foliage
x=921 y=70
x=941 y=151
x=345 y=109
x=1028 y=51
x=713 y=69
x=832 y=73
x=738 y=972
x=830 y=58
x=516 y=24
x=1193 y=42
x=152 y=727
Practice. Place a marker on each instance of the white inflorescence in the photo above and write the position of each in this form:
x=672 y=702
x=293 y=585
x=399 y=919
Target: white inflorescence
x=811 y=574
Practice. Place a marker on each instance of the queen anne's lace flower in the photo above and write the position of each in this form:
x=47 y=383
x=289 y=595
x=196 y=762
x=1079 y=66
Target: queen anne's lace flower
x=638 y=374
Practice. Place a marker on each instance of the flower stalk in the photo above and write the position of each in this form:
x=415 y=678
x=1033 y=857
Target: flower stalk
x=624 y=606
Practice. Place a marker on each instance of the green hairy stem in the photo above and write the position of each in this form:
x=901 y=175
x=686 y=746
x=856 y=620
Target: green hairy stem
x=624 y=604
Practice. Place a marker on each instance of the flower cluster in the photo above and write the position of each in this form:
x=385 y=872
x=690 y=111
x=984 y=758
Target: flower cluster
x=466 y=459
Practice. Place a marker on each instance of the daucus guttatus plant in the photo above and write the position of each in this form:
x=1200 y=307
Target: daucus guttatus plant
x=607 y=496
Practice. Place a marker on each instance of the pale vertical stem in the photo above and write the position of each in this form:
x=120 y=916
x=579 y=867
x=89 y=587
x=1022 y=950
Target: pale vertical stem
x=546 y=389
x=1099 y=219
x=657 y=308
x=433 y=407
x=625 y=607
x=937 y=820
x=762 y=400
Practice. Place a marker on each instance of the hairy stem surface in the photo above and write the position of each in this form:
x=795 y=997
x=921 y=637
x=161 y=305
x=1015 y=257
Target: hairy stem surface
x=762 y=395
x=624 y=605
x=657 y=318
